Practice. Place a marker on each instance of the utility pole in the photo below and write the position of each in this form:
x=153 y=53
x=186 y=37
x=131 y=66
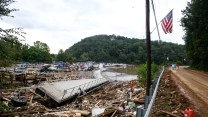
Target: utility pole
x=148 y=46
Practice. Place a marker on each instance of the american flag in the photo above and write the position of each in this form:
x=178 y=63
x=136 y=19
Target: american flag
x=167 y=23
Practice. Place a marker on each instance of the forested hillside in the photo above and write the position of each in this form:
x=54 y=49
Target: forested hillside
x=111 y=48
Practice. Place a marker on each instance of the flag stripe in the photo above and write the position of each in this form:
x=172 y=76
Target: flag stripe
x=167 y=23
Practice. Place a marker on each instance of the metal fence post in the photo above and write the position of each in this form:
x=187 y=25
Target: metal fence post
x=139 y=112
x=146 y=102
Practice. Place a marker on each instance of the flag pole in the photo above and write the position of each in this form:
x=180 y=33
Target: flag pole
x=156 y=27
x=153 y=8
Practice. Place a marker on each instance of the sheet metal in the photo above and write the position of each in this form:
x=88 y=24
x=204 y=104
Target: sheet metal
x=63 y=90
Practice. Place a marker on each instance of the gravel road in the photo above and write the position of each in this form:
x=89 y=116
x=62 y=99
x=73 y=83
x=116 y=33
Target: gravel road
x=195 y=86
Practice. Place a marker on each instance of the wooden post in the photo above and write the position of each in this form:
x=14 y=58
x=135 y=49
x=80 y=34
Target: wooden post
x=148 y=46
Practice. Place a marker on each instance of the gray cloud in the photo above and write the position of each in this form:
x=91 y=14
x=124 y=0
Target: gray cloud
x=61 y=23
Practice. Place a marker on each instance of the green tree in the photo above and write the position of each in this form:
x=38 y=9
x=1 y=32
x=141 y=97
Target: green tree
x=5 y=12
x=37 y=53
x=70 y=58
x=84 y=57
x=10 y=49
x=111 y=48
x=142 y=73
x=65 y=57
x=61 y=56
x=9 y=45
x=53 y=57
x=195 y=24
x=41 y=46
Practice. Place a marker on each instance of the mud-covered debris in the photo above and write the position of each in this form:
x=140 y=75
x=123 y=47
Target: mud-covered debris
x=113 y=98
x=169 y=100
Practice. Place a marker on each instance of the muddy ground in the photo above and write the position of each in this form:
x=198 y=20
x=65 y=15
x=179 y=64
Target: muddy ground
x=170 y=101
x=194 y=84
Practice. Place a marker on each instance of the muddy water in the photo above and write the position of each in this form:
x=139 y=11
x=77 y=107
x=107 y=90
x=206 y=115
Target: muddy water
x=119 y=76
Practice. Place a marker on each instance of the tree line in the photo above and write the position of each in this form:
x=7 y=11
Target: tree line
x=14 y=51
x=119 y=49
x=195 y=24
x=98 y=48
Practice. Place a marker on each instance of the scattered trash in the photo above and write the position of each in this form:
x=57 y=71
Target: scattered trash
x=169 y=100
x=131 y=105
x=97 y=111
x=108 y=100
x=189 y=113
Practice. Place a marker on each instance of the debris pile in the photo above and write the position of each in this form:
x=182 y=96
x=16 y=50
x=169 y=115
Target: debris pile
x=169 y=100
x=110 y=100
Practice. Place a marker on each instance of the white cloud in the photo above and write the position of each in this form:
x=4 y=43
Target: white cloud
x=61 y=23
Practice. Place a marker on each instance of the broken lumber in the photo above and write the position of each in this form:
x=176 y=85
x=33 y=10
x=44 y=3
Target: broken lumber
x=6 y=99
x=107 y=112
x=82 y=112
x=168 y=113
x=136 y=100
x=97 y=103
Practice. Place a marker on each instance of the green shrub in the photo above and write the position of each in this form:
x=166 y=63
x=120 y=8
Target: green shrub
x=142 y=73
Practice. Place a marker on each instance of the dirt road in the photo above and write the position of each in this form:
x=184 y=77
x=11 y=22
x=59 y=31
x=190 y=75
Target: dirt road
x=195 y=86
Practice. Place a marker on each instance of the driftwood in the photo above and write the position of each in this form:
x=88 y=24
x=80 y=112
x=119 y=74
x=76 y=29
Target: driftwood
x=140 y=95
x=137 y=100
x=61 y=113
x=22 y=113
x=97 y=103
x=117 y=102
x=114 y=113
x=82 y=112
x=107 y=113
x=121 y=102
x=96 y=95
x=168 y=113
x=6 y=99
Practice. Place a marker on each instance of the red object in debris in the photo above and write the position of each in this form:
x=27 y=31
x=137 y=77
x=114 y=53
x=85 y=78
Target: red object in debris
x=131 y=87
x=189 y=113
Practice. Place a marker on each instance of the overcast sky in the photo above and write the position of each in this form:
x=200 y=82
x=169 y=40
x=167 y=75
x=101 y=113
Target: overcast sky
x=62 y=23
